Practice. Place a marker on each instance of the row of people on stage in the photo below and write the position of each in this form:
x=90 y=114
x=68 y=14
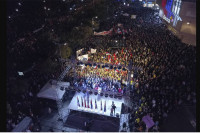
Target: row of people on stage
x=86 y=103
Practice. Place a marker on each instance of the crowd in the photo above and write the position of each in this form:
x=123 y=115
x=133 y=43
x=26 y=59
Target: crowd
x=106 y=79
x=167 y=80
x=163 y=71
x=163 y=67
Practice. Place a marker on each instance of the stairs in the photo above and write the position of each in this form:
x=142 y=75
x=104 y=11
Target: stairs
x=60 y=78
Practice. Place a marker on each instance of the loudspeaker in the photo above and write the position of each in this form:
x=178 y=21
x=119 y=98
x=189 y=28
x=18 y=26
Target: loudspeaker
x=117 y=115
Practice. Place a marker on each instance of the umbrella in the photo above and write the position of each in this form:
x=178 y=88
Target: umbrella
x=111 y=67
x=106 y=66
x=124 y=69
x=119 y=67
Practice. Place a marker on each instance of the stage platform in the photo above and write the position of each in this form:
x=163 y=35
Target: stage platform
x=99 y=123
x=74 y=106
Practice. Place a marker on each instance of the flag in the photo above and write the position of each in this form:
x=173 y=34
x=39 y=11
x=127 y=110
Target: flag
x=88 y=103
x=105 y=106
x=91 y=104
x=82 y=101
x=78 y=102
x=101 y=105
x=85 y=102
x=107 y=53
x=95 y=104
x=109 y=58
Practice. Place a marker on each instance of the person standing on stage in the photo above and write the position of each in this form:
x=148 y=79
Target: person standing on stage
x=113 y=107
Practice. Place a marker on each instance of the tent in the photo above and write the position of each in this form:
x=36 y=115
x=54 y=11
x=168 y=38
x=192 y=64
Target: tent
x=52 y=90
x=23 y=125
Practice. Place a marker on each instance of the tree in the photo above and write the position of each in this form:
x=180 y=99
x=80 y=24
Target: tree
x=66 y=51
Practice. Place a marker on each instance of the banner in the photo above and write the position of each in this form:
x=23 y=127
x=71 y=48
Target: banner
x=125 y=14
x=83 y=57
x=133 y=16
x=120 y=25
x=93 y=50
x=104 y=32
x=78 y=52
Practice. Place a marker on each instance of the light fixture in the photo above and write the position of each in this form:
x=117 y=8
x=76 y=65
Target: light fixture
x=44 y=1
x=9 y=17
x=188 y=23
x=16 y=10
x=48 y=9
x=19 y=4
x=45 y=8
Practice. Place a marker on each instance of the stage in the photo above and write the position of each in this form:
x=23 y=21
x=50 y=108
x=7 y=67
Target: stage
x=106 y=112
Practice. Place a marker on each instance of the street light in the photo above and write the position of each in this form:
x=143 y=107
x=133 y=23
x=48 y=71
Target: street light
x=16 y=10
x=19 y=4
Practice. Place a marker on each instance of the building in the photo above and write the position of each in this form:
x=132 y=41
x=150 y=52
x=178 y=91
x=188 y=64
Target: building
x=180 y=16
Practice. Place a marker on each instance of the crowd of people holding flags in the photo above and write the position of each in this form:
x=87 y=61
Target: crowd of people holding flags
x=163 y=68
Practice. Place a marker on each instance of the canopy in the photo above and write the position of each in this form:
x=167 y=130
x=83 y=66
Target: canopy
x=148 y=121
x=52 y=90
x=23 y=125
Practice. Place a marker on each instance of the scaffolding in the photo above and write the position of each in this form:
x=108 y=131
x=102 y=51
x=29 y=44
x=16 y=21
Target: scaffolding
x=59 y=101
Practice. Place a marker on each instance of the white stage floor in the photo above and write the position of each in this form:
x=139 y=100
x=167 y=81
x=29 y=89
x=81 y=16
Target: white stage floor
x=74 y=106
